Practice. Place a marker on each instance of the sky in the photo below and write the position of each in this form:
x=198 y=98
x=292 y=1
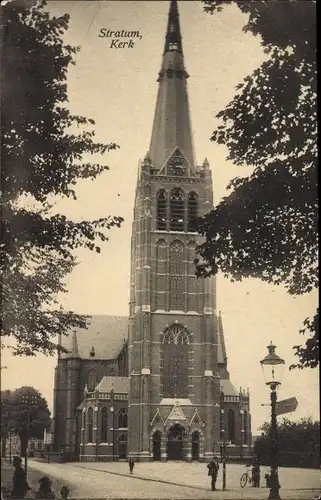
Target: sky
x=118 y=88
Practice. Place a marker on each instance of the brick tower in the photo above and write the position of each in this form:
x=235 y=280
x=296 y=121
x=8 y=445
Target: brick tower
x=174 y=396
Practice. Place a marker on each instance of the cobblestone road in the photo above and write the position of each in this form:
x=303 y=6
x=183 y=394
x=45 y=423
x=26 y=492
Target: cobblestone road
x=33 y=480
x=172 y=480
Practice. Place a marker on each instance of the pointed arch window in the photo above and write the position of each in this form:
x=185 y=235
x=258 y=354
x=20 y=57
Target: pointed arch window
x=176 y=258
x=175 y=344
x=177 y=210
x=92 y=380
x=161 y=217
x=246 y=438
x=161 y=257
x=231 y=425
x=90 y=431
x=122 y=418
x=192 y=209
x=84 y=423
x=161 y=295
x=192 y=295
x=104 y=424
x=191 y=251
x=176 y=278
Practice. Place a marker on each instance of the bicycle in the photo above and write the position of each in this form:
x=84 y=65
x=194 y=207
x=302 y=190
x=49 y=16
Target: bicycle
x=246 y=477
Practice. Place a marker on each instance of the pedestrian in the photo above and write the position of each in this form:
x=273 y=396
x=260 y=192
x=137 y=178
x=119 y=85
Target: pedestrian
x=256 y=473
x=20 y=486
x=64 y=492
x=5 y=493
x=213 y=468
x=45 y=490
x=267 y=480
x=131 y=464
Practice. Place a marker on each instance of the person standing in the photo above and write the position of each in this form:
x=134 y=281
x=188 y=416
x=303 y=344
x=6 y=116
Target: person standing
x=131 y=464
x=256 y=473
x=213 y=468
x=64 y=492
x=20 y=484
x=45 y=490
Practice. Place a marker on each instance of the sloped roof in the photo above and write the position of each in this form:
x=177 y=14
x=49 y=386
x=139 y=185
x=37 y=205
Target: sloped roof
x=228 y=388
x=106 y=334
x=118 y=384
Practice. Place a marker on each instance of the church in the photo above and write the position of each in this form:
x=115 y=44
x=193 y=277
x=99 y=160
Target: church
x=155 y=385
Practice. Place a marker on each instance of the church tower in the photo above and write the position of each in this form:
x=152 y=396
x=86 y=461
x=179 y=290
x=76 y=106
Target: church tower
x=174 y=396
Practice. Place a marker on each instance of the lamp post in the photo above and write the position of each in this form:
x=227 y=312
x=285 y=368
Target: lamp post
x=29 y=400
x=272 y=367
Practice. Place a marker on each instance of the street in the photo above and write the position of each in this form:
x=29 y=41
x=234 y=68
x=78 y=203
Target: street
x=171 y=480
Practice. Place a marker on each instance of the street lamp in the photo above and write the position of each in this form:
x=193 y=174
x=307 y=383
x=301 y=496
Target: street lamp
x=29 y=400
x=272 y=367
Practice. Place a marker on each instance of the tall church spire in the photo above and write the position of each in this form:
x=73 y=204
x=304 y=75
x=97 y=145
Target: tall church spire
x=172 y=127
x=173 y=34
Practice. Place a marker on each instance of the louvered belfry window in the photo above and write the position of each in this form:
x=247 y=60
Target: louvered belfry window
x=161 y=210
x=175 y=345
x=192 y=211
x=177 y=209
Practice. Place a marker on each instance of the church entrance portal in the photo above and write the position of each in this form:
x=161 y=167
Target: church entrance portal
x=157 y=437
x=122 y=447
x=195 y=446
x=175 y=443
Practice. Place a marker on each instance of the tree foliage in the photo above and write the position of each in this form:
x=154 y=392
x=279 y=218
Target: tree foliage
x=46 y=150
x=309 y=354
x=298 y=443
x=24 y=412
x=267 y=226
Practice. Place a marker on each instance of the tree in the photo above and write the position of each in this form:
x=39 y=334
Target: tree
x=298 y=443
x=4 y=405
x=46 y=150
x=267 y=226
x=24 y=411
x=309 y=355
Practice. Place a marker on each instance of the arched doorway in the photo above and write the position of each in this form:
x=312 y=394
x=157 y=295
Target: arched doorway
x=122 y=447
x=157 y=438
x=195 y=445
x=175 y=437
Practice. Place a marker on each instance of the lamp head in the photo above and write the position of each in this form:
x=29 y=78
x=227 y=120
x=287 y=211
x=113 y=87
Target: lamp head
x=272 y=367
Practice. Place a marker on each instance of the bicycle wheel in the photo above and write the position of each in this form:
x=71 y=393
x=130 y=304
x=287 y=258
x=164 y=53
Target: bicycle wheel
x=243 y=479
